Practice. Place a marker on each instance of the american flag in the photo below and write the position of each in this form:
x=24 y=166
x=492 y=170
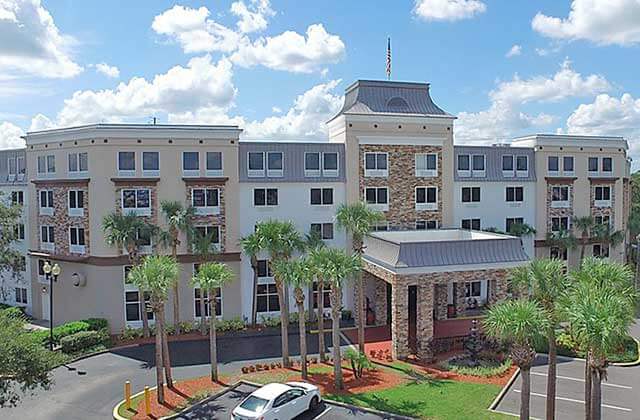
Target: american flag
x=389 y=58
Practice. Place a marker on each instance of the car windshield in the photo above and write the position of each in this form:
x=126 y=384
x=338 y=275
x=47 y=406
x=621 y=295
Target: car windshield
x=254 y=404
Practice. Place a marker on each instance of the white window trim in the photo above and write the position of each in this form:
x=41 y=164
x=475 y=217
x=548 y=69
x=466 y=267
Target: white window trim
x=215 y=246
x=549 y=171
x=78 y=173
x=463 y=173
x=477 y=173
x=257 y=173
x=198 y=318
x=47 y=246
x=377 y=206
x=46 y=173
x=190 y=173
x=521 y=173
x=12 y=176
x=597 y=171
x=505 y=172
x=515 y=201
x=74 y=211
x=601 y=164
x=274 y=173
x=206 y=210
x=45 y=210
x=333 y=230
x=128 y=287
x=565 y=172
x=425 y=173
x=213 y=173
x=138 y=211
x=602 y=203
x=470 y=203
x=332 y=173
x=425 y=206
x=75 y=249
x=561 y=203
x=375 y=173
x=569 y=226
x=127 y=172
x=150 y=172
x=265 y=205
x=425 y=223
x=322 y=204
x=313 y=173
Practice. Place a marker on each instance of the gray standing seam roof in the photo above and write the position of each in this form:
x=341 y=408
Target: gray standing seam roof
x=493 y=162
x=4 y=166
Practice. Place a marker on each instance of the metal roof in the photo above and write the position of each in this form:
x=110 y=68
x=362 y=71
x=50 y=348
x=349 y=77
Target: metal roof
x=4 y=167
x=442 y=248
x=387 y=97
x=493 y=162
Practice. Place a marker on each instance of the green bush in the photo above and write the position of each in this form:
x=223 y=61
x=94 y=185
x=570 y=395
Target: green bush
x=359 y=362
x=233 y=324
x=62 y=331
x=487 y=367
x=97 y=324
x=14 y=312
x=187 y=327
x=130 y=333
x=82 y=340
x=270 y=321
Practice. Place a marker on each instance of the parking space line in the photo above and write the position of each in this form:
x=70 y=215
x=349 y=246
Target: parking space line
x=613 y=407
x=326 y=410
x=582 y=380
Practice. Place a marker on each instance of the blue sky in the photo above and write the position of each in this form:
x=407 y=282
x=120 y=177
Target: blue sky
x=279 y=69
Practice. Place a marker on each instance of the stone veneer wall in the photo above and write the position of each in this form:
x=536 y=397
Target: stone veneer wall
x=603 y=211
x=215 y=219
x=401 y=183
x=61 y=221
x=559 y=211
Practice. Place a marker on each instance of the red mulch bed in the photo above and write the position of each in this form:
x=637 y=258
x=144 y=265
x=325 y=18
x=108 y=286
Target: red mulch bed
x=443 y=374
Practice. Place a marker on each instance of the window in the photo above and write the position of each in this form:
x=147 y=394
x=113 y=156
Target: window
x=377 y=198
x=560 y=196
x=206 y=201
x=593 y=164
x=321 y=196
x=19 y=231
x=46 y=203
x=426 y=164
x=522 y=165
x=150 y=164
x=381 y=227
x=567 y=165
x=471 y=224
x=190 y=163
x=326 y=296
x=478 y=165
x=602 y=196
x=513 y=221
x=47 y=238
x=464 y=165
x=76 y=240
x=46 y=165
x=426 y=224
x=330 y=164
x=552 y=164
x=213 y=232
x=144 y=241
x=126 y=163
x=607 y=164
x=214 y=164
x=17 y=198
x=560 y=224
x=312 y=164
x=602 y=220
x=275 y=164
x=12 y=168
x=558 y=253
x=76 y=203
x=265 y=196
x=376 y=164
x=473 y=289
x=325 y=230
x=600 y=251
x=515 y=194
x=507 y=164
x=207 y=303
x=267 y=298
x=78 y=163
x=426 y=198
x=255 y=164
x=137 y=201
x=264 y=269
x=21 y=295
x=470 y=194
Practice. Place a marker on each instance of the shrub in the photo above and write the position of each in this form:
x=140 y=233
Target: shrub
x=270 y=321
x=61 y=331
x=130 y=333
x=82 y=340
x=14 y=312
x=487 y=368
x=233 y=324
x=187 y=327
x=359 y=361
x=97 y=324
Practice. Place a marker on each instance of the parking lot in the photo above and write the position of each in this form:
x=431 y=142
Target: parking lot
x=619 y=393
x=220 y=407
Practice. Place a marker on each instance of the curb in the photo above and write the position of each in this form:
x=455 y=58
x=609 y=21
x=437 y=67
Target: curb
x=630 y=364
x=504 y=390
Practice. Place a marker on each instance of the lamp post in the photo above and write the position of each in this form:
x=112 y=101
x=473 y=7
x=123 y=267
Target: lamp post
x=51 y=275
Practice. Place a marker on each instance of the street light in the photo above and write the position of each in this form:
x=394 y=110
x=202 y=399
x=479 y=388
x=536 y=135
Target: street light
x=51 y=275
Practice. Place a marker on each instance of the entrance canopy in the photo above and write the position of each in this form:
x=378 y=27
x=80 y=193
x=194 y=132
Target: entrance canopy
x=433 y=251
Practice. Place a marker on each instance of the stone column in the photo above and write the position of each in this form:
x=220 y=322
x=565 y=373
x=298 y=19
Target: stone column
x=399 y=321
x=441 y=301
x=424 y=330
x=380 y=307
x=461 y=306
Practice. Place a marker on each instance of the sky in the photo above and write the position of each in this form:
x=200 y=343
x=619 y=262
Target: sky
x=278 y=69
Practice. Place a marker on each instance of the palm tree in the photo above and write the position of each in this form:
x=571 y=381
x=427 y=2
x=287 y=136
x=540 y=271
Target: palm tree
x=211 y=276
x=521 y=229
x=280 y=240
x=521 y=323
x=584 y=225
x=316 y=263
x=123 y=232
x=252 y=245
x=338 y=266
x=298 y=274
x=358 y=220
x=178 y=220
x=202 y=245
x=605 y=234
x=545 y=282
x=562 y=239
x=156 y=275
x=600 y=308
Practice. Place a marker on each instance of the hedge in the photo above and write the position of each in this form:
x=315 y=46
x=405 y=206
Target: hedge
x=82 y=340
x=97 y=324
x=62 y=331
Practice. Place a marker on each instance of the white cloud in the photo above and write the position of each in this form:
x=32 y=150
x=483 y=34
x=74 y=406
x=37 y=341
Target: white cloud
x=194 y=31
x=449 y=10
x=32 y=43
x=513 y=51
x=253 y=17
x=291 y=51
x=505 y=116
x=41 y=122
x=107 y=70
x=10 y=136
x=603 y=22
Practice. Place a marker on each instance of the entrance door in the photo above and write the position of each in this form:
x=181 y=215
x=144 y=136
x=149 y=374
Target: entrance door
x=413 y=317
x=45 y=303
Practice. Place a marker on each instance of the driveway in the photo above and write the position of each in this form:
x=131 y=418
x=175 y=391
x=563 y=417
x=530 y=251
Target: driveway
x=619 y=392
x=95 y=385
x=220 y=408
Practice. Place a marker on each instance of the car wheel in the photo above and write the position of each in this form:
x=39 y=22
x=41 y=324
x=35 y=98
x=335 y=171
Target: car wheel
x=313 y=404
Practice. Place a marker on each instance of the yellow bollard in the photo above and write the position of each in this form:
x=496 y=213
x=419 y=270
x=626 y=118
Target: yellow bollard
x=147 y=401
x=127 y=395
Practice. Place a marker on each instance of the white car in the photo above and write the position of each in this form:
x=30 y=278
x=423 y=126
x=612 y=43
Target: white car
x=278 y=402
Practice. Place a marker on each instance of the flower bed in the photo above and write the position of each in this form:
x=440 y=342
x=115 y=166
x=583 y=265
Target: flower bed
x=486 y=367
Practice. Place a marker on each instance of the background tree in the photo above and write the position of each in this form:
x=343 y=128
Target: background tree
x=211 y=276
x=519 y=323
x=584 y=225
x=11 y=260
x=203 y=246
x=156 y=275
x=25 y=364
x=178 y=219
x=358 y=220
x=544 y=281
x=252 y=245
x=123 y=231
